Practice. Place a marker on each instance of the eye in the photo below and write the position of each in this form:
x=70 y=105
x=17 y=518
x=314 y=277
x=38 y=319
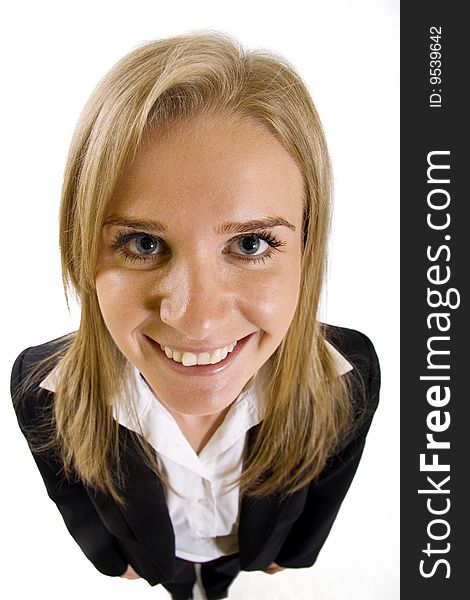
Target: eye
x=251 y=244
x=255 y=247
x=143 y=247
x=143 y=243
x=137 y=246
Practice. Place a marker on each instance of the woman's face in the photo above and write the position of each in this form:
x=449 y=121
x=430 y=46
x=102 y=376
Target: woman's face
x=201 y=250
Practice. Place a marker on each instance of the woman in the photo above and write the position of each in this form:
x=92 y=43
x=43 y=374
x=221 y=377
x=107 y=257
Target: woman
x=201 y=415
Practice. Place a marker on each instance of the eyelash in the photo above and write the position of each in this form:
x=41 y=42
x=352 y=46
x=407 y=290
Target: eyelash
x=122 y=239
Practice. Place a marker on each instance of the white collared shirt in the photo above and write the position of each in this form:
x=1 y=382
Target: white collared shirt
x=203 y=505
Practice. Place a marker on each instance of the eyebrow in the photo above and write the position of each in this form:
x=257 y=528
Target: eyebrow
x=224 y=228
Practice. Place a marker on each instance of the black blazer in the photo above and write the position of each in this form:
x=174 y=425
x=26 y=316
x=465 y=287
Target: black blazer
x=289 y=531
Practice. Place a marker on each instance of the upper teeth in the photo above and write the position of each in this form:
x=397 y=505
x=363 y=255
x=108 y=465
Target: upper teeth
x=188 y=359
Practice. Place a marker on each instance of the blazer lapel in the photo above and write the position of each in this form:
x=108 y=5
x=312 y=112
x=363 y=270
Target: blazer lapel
x=258 y=522
x=145 y=508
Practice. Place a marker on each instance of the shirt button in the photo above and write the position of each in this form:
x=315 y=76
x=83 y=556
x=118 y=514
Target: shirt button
x=203 y=532
x=202 y=501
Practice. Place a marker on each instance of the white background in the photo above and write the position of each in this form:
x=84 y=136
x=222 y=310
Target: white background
x=52 y=55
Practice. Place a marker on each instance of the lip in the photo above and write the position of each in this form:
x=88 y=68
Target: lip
x=198 y=370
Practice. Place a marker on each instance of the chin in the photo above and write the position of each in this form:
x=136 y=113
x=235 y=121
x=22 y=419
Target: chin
x=197 y=401
x=198 y=408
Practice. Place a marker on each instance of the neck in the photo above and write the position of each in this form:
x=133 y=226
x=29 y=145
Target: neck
x=198 y=429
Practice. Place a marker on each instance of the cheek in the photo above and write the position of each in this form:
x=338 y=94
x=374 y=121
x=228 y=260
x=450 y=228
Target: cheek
x=271 y=306
x=121 y=301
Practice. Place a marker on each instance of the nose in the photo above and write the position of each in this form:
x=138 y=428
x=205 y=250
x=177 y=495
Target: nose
x=198 y=298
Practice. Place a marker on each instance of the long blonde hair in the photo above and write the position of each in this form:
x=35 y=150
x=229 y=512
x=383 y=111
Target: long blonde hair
x=308 y=411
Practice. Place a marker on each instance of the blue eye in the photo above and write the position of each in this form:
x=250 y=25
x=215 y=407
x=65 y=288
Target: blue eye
x=144 y=247
x=143 y=244
x=137 y=246
x=252 y=244
x=256 y=247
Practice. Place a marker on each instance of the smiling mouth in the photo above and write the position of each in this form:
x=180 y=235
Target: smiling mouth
x=221 y=358
x=190 y=359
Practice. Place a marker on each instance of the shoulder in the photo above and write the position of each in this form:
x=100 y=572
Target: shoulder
x=33 y=356
x=358 y=349
x=354 y=345
x=29 y=369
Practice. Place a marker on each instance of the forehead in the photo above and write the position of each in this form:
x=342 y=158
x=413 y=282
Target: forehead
x=217 y=165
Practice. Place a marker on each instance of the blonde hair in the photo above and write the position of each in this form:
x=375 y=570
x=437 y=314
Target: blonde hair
x=308 y=409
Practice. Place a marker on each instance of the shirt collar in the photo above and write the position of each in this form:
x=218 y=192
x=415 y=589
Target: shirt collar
x=155 y=423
